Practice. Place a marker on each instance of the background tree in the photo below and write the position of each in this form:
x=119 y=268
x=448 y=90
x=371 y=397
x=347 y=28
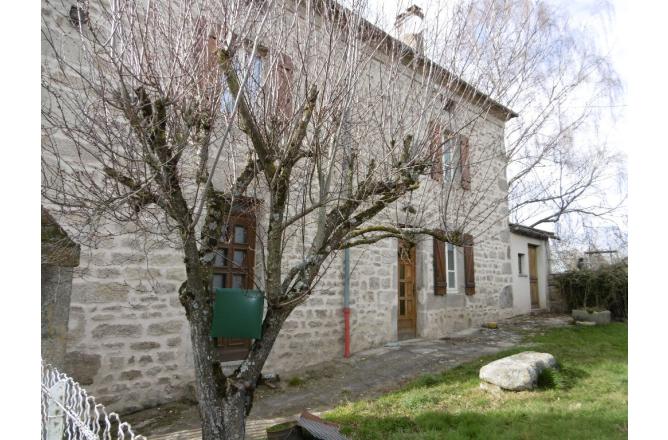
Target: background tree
x=166 y=116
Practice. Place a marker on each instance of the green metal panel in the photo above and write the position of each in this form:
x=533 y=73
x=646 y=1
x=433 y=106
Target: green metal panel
x=237 y=313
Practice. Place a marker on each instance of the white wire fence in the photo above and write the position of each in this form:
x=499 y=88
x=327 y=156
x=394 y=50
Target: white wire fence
x=69 y=413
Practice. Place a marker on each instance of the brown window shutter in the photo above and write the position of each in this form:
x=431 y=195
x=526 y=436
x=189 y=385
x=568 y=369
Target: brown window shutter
x=284 y=75
x=436 y=152
x=469 y=271
x=440 y=275
x=466 y=167
x=205 y=52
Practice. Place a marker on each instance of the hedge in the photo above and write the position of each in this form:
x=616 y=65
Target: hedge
x=603 y=288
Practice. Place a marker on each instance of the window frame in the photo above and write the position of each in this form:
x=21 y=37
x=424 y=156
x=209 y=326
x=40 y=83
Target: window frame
x=455 y=287
x=449 y=152
x=253 y=85
x=521 y=258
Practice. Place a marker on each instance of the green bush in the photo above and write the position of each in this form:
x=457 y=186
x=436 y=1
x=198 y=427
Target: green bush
x=603 y=288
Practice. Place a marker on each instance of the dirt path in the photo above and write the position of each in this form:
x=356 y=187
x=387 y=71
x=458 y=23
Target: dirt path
x=364 y=375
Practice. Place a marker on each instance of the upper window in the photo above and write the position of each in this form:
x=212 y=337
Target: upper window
x=449 y=162
x=253 y=82
x=520 y=264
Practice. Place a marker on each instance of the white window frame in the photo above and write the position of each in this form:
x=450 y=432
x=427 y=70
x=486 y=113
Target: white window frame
x=253 y=82
x=449 y=155
x=449 y=288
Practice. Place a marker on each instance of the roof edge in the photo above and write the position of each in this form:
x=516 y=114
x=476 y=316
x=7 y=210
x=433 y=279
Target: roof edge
x=461 y=87
x=528 y=231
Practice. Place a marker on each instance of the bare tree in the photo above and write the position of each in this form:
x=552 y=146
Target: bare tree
x=171 y=116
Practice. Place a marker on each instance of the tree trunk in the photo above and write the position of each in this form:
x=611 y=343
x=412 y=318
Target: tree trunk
x=210 y=383
x=223 y=402
x=210 y=401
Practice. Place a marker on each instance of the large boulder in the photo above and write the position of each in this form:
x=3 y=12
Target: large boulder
x=517 y=372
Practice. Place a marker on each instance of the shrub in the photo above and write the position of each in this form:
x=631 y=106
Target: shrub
x=603 y=288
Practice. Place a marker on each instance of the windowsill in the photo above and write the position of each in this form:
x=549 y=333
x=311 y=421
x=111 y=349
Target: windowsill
x=523 y=275
x=454 y=291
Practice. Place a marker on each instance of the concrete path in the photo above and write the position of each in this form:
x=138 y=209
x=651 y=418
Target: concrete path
x=364 y=375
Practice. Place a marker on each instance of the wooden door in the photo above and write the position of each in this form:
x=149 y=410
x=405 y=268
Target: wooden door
x=406 y=308
x=233 y=267
x=533 y=276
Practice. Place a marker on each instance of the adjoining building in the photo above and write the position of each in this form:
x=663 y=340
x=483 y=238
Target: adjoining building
x=530 y=249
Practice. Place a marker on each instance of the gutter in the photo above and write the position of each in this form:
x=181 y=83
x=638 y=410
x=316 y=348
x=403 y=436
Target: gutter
x=346 y=303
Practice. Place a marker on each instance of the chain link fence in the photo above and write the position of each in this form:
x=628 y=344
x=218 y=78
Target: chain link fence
x=69 y=413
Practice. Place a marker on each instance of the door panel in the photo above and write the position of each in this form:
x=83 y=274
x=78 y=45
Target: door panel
x=533 y=276
x=406 y=310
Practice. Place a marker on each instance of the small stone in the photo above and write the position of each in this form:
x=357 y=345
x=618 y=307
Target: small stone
x=173 y=342
x=153 y=371
x=102 y=317
x=141 y=346
x=114 y=330
x=82 y=366
x=105 y=292
x=164 y=328
x=166 y=356
x=116 y=362
x=130 y=374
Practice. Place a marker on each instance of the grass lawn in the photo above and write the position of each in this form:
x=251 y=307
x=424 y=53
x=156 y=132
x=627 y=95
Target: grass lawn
x=585 y=399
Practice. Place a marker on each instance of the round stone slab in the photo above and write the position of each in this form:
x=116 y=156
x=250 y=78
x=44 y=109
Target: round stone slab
x=517 y=372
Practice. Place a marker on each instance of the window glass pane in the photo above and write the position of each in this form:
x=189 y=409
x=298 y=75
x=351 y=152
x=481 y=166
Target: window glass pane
x=255 y=78
x=228 y=98
x=218 y=280
x=402 y=307
x=451 y=280
x=402 y=271
x=451 y=257
x=238 y=281
x=253 y=81
x=239 y=258
x=402 y=290
x=447 y=158
x=239 y=234
x=221 y=258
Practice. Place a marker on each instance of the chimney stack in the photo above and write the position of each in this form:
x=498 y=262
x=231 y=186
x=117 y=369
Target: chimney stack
x=409 y=27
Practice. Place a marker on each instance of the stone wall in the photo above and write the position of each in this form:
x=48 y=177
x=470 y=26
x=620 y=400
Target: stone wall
x=556 y=300
x=59 y=256
x=128 y=339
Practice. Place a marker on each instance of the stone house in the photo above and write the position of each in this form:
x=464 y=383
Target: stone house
x=530 y=250
x=128 y=339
